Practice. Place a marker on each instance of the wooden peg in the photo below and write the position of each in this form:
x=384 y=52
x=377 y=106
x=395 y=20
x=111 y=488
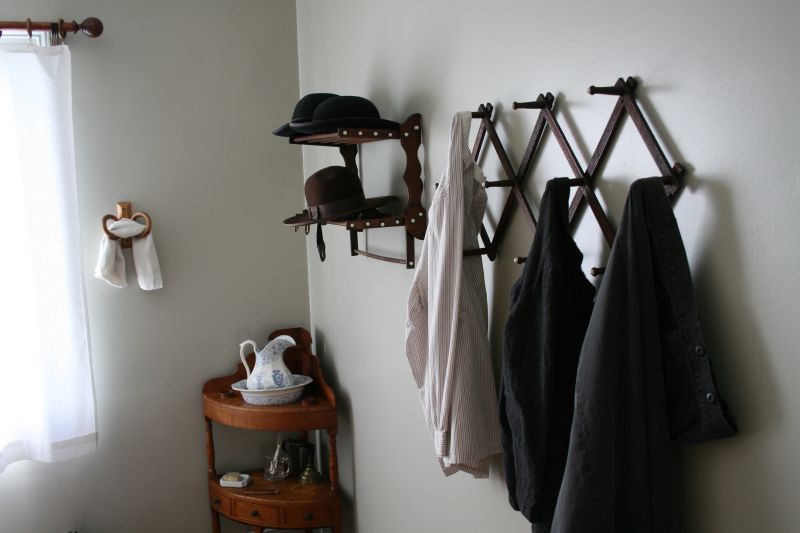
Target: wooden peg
x=539 y=103
x=617 y=89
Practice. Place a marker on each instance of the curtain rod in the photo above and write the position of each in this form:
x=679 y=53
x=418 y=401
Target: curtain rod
x=91 y=27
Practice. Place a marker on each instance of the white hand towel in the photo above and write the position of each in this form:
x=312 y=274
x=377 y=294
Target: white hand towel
x=145 y=259
x=111 y=263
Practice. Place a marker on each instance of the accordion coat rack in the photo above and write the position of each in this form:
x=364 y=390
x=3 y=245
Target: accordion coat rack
x=583 y=179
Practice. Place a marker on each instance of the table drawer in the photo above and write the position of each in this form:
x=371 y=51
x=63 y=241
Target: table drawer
x=255 y=513
x=220 y=502
x=308 y=517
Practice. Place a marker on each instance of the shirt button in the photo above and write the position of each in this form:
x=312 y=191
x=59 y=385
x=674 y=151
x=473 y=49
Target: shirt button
x=699 y=351
x=710 y=398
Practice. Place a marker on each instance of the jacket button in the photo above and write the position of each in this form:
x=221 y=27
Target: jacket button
x=699 y=350
x=710 y=398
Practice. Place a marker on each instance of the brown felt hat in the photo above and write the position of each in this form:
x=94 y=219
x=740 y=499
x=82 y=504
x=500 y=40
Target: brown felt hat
x=331 y=193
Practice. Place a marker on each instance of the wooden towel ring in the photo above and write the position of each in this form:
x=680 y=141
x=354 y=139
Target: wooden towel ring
x=148 y=225
x=124 y=211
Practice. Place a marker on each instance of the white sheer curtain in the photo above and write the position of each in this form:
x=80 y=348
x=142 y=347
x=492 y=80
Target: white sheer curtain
x=46 y=395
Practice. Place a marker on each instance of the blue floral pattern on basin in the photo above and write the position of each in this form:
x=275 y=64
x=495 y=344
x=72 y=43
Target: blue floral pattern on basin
x=273 y=395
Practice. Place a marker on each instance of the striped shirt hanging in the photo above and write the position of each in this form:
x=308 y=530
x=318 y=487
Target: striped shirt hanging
x=447 y=320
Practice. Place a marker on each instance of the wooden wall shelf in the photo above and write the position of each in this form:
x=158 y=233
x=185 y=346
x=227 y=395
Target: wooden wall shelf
x=347 y=136
x=414 y=217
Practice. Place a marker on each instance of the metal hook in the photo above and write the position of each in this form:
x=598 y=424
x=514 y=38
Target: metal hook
x=29 y=30
x=61 y=31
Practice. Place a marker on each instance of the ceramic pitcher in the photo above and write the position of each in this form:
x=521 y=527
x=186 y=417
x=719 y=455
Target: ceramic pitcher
x=269 y=371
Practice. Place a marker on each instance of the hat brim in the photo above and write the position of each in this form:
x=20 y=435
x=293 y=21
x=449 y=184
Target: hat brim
x=304 y=218
x=326 y=126
x=284 y=131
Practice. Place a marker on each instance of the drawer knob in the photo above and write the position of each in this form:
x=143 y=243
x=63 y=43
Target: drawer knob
x=216 y=502
x=308 y=516
x=253 y=513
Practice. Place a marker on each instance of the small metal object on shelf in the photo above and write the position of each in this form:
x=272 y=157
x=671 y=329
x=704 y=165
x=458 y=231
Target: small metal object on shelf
x=310 y=475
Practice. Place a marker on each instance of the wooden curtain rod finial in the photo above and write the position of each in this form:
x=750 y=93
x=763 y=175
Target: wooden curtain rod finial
x=91 y=27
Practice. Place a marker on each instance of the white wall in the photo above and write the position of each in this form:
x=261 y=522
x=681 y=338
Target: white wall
x=173 y=105
x=720 y=86
x=173 y=108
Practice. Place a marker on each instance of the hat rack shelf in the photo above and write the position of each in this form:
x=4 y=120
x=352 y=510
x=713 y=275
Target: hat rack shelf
x=414 y=216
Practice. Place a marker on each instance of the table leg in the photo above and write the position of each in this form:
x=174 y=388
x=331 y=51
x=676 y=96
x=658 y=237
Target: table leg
x=212 y=472
x=332 y=461
x=215 y=521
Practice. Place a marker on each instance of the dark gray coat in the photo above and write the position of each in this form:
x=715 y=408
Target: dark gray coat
x=644 y=378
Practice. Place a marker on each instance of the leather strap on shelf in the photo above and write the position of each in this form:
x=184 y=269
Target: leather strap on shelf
x=320 y=243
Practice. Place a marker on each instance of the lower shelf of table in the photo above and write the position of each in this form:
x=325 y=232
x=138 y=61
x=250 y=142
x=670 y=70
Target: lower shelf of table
x=286 y=503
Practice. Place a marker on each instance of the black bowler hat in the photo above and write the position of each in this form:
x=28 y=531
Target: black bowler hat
x=343 y=112
x=303 y=111
x=334 y=192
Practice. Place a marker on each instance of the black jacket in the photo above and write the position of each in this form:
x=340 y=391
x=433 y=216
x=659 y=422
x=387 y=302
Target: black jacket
x=550 y=308
x=644 y=378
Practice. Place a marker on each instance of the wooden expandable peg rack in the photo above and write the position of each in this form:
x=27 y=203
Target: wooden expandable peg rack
x=546 y=118
x=583 y=179
x=515 y=178
x=626 y=102
x=625 y=90
x=124 y=211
